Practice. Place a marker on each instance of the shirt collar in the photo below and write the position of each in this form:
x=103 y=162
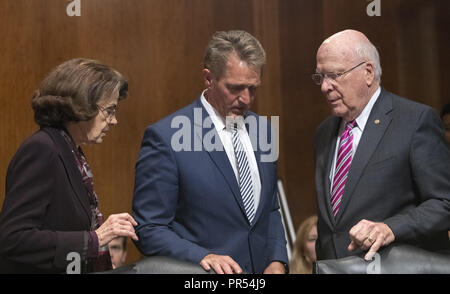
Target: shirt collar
x=218 y=121
x=361 y=120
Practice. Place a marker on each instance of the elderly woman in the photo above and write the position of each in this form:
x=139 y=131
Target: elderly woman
x=50 y=214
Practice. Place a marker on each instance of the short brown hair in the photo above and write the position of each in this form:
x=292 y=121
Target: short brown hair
x=247 y=47
x=71 y=91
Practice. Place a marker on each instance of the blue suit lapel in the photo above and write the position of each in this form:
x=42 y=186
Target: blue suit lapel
x=219 y=158
x=373 y=132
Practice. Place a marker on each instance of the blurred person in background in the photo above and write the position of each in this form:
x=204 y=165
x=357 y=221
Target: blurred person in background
x=304 y=249
x=118 y=251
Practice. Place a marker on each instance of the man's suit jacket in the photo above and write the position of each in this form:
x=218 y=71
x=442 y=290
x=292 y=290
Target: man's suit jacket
x=188 y=204
x=400 y=175
x=46 y=212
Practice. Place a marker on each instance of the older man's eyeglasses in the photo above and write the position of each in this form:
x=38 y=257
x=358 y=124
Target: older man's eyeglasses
x=108 y=113
x=318 y=78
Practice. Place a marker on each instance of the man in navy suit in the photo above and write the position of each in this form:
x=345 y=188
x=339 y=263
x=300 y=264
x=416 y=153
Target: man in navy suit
x=196 y=197
x=382 y=165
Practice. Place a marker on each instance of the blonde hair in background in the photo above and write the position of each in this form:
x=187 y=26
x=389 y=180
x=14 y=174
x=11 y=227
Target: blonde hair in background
x=298 y=263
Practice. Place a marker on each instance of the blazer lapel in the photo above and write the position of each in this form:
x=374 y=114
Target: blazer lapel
x=377 y=123
x=73 y=174
x=219 y=157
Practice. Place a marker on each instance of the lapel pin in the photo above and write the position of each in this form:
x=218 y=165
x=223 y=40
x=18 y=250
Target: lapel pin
x=377 y=121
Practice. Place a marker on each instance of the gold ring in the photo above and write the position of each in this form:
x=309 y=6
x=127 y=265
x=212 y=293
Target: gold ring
x=370 y=239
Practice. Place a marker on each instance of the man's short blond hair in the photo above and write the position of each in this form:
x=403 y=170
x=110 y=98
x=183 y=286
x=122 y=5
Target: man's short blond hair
x=247 y=47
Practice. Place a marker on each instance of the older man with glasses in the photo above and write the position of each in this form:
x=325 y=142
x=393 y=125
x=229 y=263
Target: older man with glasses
x=382 y=165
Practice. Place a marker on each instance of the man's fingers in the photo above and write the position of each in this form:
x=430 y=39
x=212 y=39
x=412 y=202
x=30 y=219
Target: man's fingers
x=205 y=265
x=352 y=246
x=358 y=232
x=368 y=241
x=220 y=264
x=226 y=268
x=354 y=230
x=370 y=235
x=233 y=265
x=376 y=245
x=218 y=269
x=236 y=268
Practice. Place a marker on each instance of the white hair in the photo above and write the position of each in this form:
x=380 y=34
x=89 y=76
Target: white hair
x=369 y=52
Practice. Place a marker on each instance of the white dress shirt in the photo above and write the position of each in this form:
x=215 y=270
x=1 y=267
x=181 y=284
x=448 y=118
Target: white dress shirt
x=357 y=131
x=226 y=139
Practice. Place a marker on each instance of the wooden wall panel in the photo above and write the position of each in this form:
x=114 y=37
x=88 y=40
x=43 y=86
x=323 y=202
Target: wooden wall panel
x=418 y=24
x=269 y=97
x=442 y=25
x=302 y=104
x=381 y=30
x=159 y=45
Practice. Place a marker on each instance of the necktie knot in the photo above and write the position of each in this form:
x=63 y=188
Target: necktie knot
x=351 y=124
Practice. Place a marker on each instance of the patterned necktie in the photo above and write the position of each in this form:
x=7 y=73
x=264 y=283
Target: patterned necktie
x=343 y=161
x=245 y=178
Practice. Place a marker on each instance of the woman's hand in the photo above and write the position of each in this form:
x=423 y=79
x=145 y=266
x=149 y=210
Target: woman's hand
x=115 y=226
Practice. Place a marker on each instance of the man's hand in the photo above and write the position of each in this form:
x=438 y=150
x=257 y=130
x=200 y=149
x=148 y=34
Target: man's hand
x=221 y=264
x=275 y=267
x=370 y=235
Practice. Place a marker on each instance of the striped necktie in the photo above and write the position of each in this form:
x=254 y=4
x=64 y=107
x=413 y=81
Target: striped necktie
x=245 y=177
x=343 y=161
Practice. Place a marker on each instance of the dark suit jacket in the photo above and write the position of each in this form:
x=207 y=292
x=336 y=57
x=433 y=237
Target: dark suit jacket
x=400 y=175
x=188 y=204
x=46 y=212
